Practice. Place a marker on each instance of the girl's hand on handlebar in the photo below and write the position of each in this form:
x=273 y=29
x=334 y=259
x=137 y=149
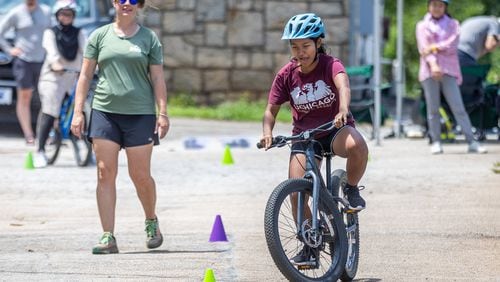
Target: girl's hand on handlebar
x=340 y=119
x=266 y=141
x=78 y=124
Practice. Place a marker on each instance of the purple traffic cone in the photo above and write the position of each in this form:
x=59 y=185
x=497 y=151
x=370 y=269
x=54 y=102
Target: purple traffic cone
x=218 y=233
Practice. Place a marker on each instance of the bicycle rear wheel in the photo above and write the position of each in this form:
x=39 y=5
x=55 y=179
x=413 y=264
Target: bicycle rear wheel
x=339 y=180
x=285 y=238
x=53 y=145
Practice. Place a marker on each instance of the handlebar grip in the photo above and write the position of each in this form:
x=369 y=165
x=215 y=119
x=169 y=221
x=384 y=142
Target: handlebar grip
x=278 y=141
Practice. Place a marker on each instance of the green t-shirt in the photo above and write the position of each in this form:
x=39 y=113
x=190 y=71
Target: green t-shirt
x=124 y=86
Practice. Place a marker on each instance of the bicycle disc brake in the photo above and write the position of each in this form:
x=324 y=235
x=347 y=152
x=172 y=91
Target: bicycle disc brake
x=311 y=237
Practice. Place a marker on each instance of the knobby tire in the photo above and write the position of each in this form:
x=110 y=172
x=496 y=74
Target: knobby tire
x=333 y=253
x=339 y=179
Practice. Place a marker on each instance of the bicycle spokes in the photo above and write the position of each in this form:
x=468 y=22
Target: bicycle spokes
x=310 y=250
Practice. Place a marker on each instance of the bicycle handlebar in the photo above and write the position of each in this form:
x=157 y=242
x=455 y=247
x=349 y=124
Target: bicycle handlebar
x=280 y=141
x=67 y=70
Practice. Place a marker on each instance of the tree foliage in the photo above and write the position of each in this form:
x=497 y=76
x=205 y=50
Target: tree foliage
x=414 y=10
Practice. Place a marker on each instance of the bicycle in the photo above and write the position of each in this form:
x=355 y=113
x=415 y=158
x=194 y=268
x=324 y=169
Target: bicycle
x=329 y=235
x=61 y=131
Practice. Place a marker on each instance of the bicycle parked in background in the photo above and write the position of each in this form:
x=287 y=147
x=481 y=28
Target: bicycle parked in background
x=327 y=233
x=60 y=132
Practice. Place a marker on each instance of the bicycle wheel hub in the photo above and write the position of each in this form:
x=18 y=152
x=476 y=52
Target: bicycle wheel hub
x=311 y=237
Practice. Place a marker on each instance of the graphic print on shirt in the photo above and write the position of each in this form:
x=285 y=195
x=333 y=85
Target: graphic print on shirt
x=315 y=95
x=135 y=48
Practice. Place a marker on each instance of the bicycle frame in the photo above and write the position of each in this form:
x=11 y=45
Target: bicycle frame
x=66 y=115
x=66 y=112
x=313 y=171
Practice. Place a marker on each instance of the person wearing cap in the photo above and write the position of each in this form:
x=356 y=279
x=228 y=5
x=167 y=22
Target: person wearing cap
x=64 y=44
x=28 y=20
x=317 y=87
x=437 y=39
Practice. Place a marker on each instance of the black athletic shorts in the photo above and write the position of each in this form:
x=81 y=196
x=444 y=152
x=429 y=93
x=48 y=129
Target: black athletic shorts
x=322 y=144
x=125 y=130
x=26 y=74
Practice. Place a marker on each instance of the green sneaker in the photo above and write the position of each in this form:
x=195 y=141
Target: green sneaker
x=107 y=245
x=155 y=239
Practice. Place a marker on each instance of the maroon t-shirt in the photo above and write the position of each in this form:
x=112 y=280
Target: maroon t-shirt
x=313 y=97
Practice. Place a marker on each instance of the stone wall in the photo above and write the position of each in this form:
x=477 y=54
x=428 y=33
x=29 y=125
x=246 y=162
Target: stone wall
x=218 y=49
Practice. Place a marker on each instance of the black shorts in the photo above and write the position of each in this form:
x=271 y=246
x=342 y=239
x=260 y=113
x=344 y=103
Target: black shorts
x=26 y=74
x=125 y=130
x=323 y=144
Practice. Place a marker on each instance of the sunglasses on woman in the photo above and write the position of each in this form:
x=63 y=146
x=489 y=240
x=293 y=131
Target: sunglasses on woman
x=131 y=2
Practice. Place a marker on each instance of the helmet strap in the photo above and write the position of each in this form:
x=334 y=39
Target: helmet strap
x=316 y=56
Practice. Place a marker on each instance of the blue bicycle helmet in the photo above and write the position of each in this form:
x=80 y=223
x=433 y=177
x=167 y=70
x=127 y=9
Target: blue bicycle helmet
x=304 y=26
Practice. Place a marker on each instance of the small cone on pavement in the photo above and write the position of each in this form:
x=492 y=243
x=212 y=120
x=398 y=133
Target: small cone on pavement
x=28 y=161
x=228 y=158
x=218 y=232
x=209 y=275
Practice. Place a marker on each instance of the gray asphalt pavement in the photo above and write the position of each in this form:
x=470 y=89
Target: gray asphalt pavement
x=428 y=218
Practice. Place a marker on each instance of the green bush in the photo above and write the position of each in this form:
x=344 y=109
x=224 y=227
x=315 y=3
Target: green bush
x=183 y=105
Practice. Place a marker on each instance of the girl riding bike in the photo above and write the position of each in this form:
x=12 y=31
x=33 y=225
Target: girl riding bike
x=317 y=88
x=64 y=45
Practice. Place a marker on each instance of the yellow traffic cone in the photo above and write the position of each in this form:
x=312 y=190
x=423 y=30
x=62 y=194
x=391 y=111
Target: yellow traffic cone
x=28 y=161
x=227 y=158
x=209 y=275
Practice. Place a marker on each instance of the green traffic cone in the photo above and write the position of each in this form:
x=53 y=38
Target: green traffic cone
x=28 y=162
x=228 y=158
x=209 y=275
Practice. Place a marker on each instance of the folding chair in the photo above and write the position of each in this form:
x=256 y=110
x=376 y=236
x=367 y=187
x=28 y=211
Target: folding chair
x=362 y=97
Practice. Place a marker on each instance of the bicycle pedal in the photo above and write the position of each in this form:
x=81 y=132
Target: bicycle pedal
x=347 y=210
x=306 y=265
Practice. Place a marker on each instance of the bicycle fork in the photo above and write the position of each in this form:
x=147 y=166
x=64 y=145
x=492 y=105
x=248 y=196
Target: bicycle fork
x=310 y=236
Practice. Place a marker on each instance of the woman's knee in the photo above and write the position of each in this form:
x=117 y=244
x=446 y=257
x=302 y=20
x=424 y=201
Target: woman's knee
x=141 y=177
x=105 y=172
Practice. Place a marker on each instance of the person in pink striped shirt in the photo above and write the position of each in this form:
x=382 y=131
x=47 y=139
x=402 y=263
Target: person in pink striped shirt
x=437 y=39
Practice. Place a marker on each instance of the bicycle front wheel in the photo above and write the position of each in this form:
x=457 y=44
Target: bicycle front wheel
x=339 y=180
x=53 y=145
x=286 y=238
